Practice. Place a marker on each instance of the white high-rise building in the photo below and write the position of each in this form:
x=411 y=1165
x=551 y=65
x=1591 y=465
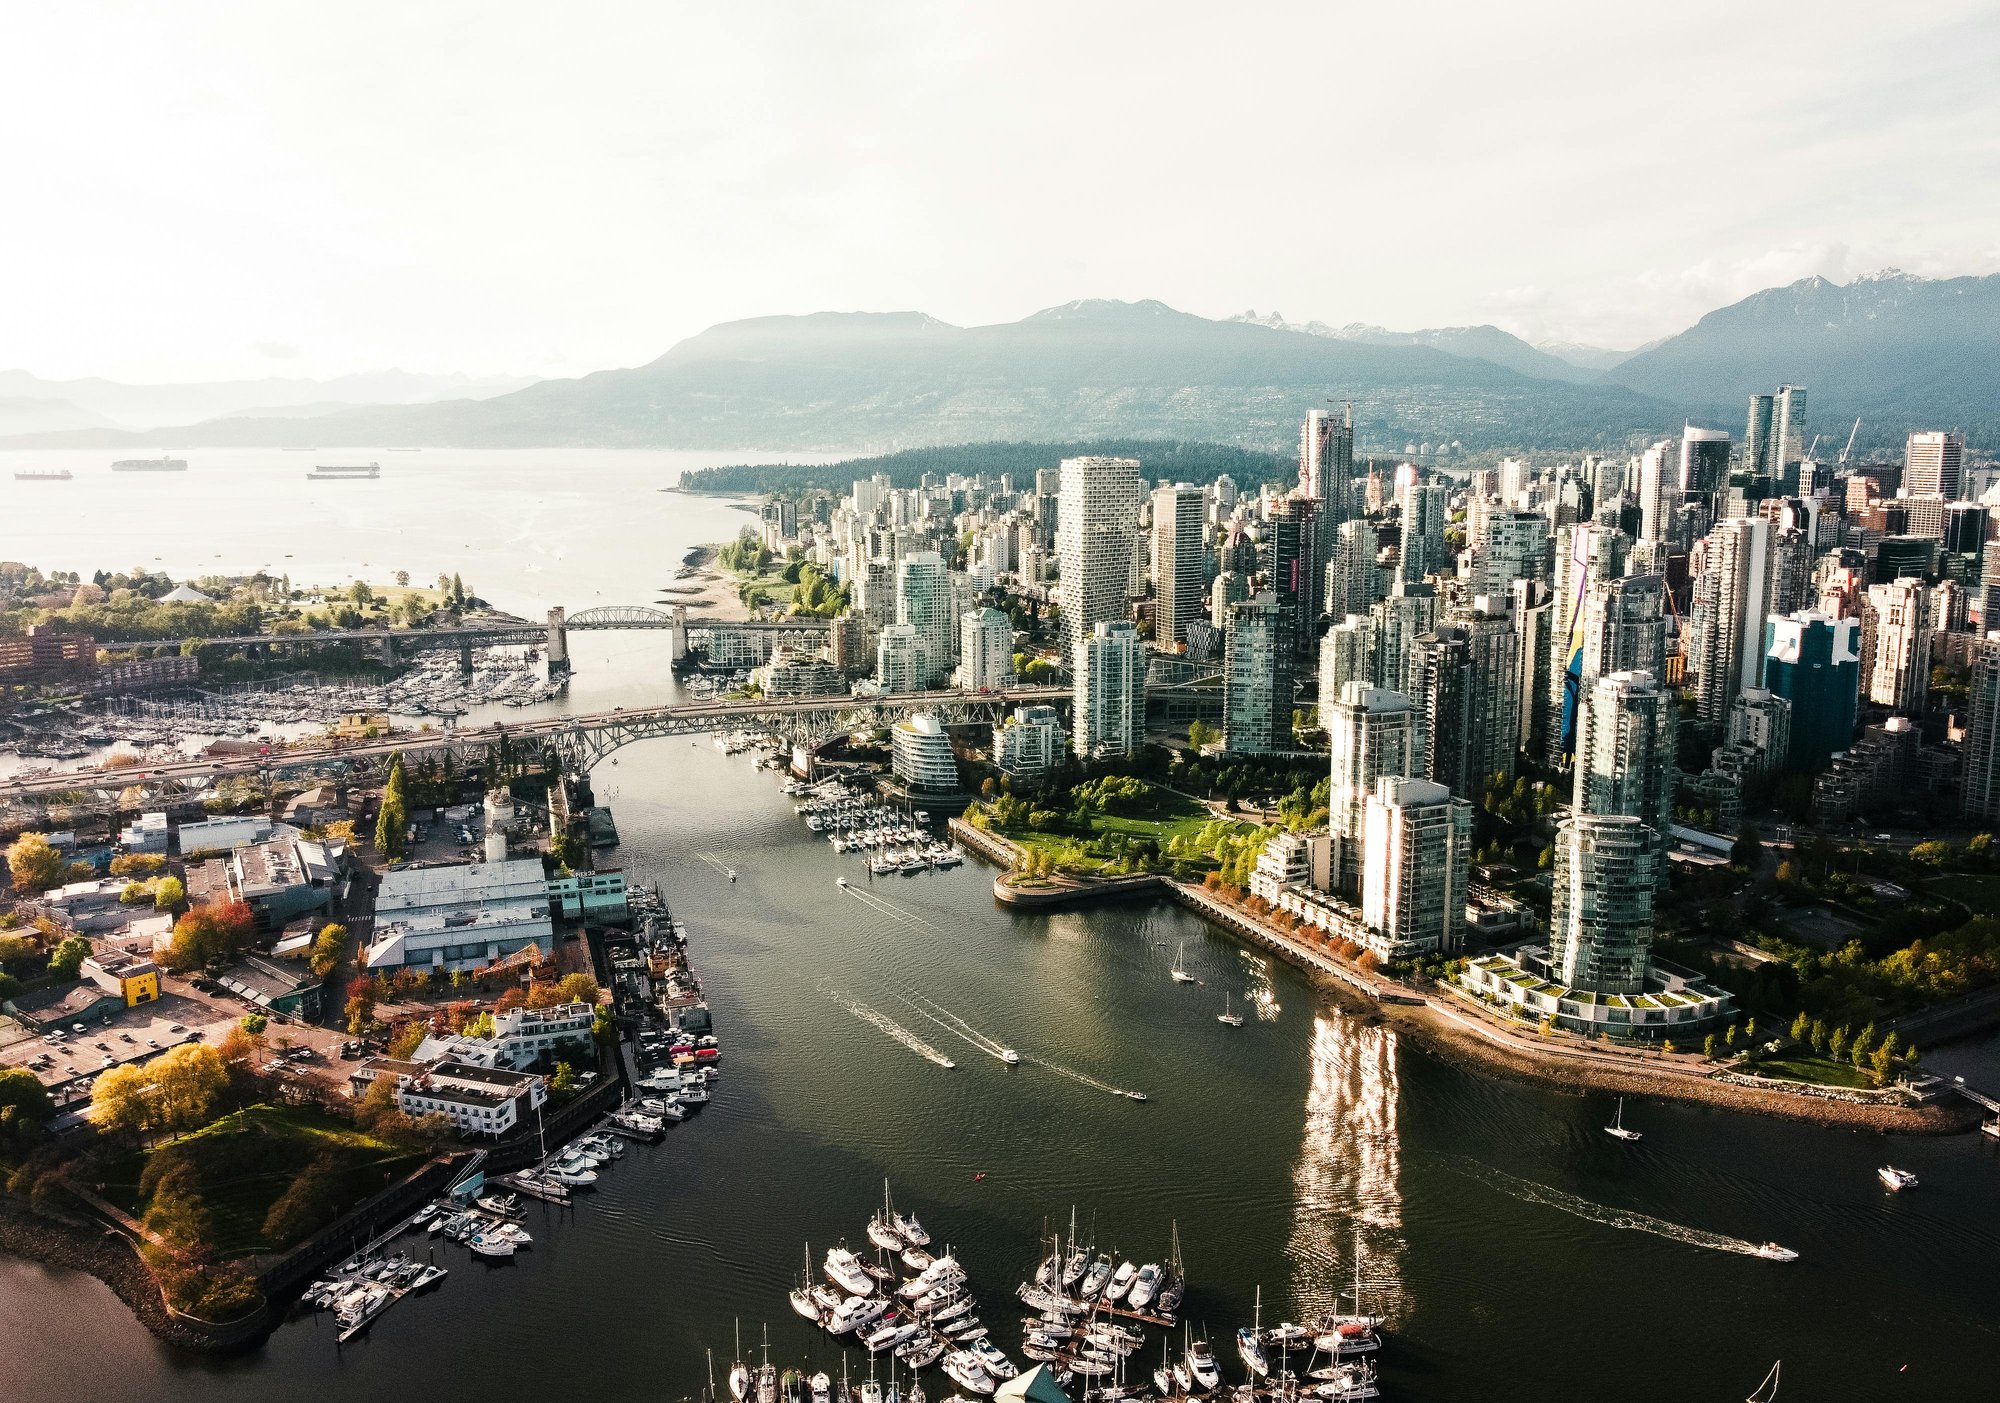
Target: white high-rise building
x=1110 y=691
x=985 y=650
x=1400 y=620
x=1726 y=643
x=1423 y=550
x=1626 y=747
x=1624 y=627
x=1346 y=654
x=924 y=602
x=1180 y=561
x=1601 y=909
x=1256 y=679
x=1353 y=580
x=1371 y=732
x=1657 y=496
x=920 y=755
x=1507 y=546
x=1934 y=465
x=1417 y=868
x=1788 y=432
x=1326 y=459
x=1899 y=672
x=1979 y=791
x=1097 y=525
x=1029 y=744
x=899 y=659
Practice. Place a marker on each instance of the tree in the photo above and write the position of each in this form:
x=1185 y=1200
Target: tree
x=1708 y=1047
x=1750 y=1030
x=68 y=957
x=327 y=948
x=1864 y=1042
x=1800 y=1027
x=1836 y=1043
x=457 y=591
x=1668 y=1047
x=170 y=893
x=23 y=1099
x=1931 y=854
x=1748 y=849
x=361 y=995
x=564 y=1080
x=254 y=1024
x=187 y=1081
x=1729 y=1036
x=34 y=864
x=578 y=988
x=408 y=1039
x=210 y=935
x=1201 y=735
x=1882 y=1059
x=1816 y=1034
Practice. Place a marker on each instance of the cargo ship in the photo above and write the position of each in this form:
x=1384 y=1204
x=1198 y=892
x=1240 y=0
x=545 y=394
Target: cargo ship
x=59 y=475
x=161 y=464
x=336 y=472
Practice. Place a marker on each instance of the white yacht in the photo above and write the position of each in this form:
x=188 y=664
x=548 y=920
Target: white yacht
x=1121 y=1282
x=1616 y=1130
x=844 y=1269
x=1180 y=974
x=1894 y=1178
x=1772 y=1252
x=1234 y=1020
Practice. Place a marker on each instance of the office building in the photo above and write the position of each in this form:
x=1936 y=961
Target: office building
x=1899 y=618
x=985 y=650
x=1256 y=679
x=1097 y=524
x=1416 y=872
x=1934 y=465
x=1372 y=733
x=1757 y=437
x=1704 y=465
x=460 y=916
x=1290 y=556
x=1601 y=908
x=1180 y=561
x=1724 y=652
x=1814 y=662
x=924 y=602
x=1110 y=691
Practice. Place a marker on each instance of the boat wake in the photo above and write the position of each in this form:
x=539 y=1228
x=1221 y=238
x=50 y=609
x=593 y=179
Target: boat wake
x=890 y=1026
x=1528 y=1191
x=958 y=1027
x=718 y=864
x=1083 y=1078
x=892 y=910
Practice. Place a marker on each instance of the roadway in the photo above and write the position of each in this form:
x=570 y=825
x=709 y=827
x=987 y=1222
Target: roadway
x=690 y=715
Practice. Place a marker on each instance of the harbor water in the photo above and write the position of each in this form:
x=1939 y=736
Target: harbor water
x=1519 y=1253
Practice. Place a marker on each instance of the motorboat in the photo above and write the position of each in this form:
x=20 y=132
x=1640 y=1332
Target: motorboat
x=1095 y=1277
x=820 y=1387
x=1288 y=1337
x=1772 y=1252
x=1344 y=1383
x=490 y=1245
x=856 y=1313
x=1121 y=1282
x=890 y=1332
x=1894 y=1178
x=845 y=1270
x=911 y=1231
x=1201 y=1365
x=916 y=1259
x=1010 y=1057
x=993 y=1361
x=1145 y=1286
x=963 y=1368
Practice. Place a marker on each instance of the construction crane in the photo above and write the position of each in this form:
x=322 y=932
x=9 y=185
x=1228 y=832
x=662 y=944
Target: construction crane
x=1842 y=461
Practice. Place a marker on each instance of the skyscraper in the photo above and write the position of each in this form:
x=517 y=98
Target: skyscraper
x=1110 y=691
x=1372 y=732
x=1180 y=562
x=899 y=659
x=1346 y=654
x=985 y=650
x=1353 y=580
x=1658 y=490
x=1899 y=673
x=1704 y=462
x=1624 y=628
x=1980 y=788
x=1814 y=662
x=1292 y=563
x=1417 y=867
x=1326 y=460
x=1601 y=909
x=1423 y=549
x=1466 y=688
x=1788 y=435
x=1256 y=680
x=1724 y=651
x=1757 y=437
x=1097 y=522
x=1625 y=755
x=1400 y=620
x=1589 y=553
x=1934 y=465
x=1508 y=546
x=924 y=602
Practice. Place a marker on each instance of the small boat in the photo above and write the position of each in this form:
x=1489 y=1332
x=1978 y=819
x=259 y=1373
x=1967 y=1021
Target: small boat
x=1616 y=1130
x=1094 y=1278
x=1180 y=975
x=490 y=1245
x=1201 y=1365
x=845 y=1270
x=856 y=1313
x=1009 y=1056
x=1772 y=1252
x=1767 y=1391
x=820 y=1387
x=1896 y=1179
x=1121 y=1281
x=916 y=1259
x=996 y=1364
x=909 y=1229
x=963 y=1368
x=1145 y=1286
x=1234 y=1020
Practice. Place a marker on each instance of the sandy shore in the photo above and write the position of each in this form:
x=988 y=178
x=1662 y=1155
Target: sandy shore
x=709 y=591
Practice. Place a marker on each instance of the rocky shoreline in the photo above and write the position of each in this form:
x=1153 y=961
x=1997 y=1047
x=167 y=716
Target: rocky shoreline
x=79 y=1246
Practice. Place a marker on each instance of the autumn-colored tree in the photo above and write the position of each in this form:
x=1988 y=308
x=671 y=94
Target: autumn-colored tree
x=213 y=934
x=578 y=988
x=327 y=948
x=35 y=865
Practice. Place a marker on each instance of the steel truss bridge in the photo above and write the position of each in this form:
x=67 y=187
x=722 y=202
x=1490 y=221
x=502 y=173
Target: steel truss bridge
x=570 y=743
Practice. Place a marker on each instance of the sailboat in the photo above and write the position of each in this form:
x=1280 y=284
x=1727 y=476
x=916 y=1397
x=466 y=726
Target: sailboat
x=882 y=1230
x=1234 y=1020
x=1250 y=1342
x=739 y=1372
x=1174 y=1288
x=801 y=1297
x=1181 y=976
x=1766 y=1391
x=1616 y=1130
x=767 y=1376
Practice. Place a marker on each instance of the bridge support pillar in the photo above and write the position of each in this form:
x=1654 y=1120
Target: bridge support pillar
x=680 y=633
x=386 y=650
x=558 y=646
x=465 y=655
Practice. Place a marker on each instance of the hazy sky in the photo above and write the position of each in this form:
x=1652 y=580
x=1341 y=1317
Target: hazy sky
x=196 y=190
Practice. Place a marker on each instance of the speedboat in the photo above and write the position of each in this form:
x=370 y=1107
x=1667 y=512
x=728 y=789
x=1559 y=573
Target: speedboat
x=1894 y=1178
x=963 y=1368
x=844 y=1270
x=1145 y=1286
x=1121 y=1282
x=1772 y=1252
x=1288 y=1336
x=892 y=1331
x=1009 y=1056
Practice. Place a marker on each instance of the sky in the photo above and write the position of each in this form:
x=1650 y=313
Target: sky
x=209 y=190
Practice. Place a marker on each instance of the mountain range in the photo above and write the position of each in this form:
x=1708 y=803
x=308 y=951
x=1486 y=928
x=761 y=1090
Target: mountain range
x=1899 y=351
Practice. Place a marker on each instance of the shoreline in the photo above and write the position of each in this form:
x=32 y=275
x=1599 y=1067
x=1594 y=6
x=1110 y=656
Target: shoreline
x=101 y=1253
x=1435 y=1027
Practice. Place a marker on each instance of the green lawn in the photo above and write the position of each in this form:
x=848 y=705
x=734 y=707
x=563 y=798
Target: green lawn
x=1981 y=894
x=1819 y=1071
x=243 y=1162
x=1174 y=817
